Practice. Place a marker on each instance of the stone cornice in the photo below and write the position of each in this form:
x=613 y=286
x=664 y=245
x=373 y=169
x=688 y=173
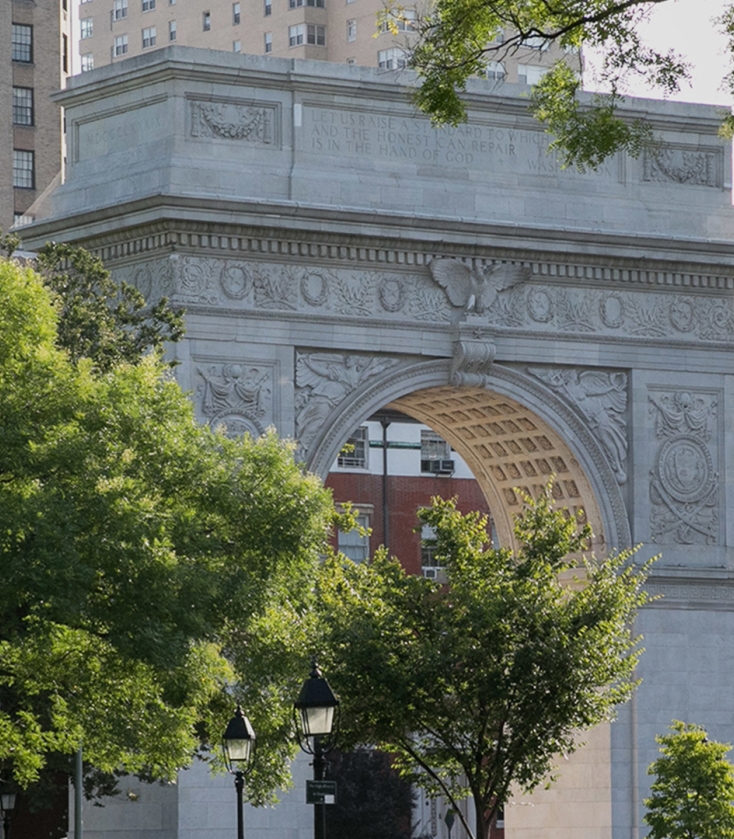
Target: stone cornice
x=168 y=223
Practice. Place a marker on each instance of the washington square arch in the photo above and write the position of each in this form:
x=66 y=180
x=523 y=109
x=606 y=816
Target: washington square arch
x=336 y=255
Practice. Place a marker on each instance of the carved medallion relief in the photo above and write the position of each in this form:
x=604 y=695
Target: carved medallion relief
x=684 y=480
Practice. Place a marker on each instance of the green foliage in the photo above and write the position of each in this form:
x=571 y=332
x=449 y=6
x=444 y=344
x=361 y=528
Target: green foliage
x=692 y=796
x=457 y=38
x=138 y=548
x=99 y=319
x=584 y=136
x=480 y=684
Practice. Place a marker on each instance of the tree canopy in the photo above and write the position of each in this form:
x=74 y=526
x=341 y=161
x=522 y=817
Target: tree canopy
x=457 y=38
x=138 y=549
x=692 y=796
x=478 y=685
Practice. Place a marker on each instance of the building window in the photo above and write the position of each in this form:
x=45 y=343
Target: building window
x=171 y=30
x=65 y=53
x=351 y=30
x=316 y=35
x=435 y=454
x=392 y=59
x=206 y=21
x=356 y=544
x=86 y=1
x=22 y=106
x=236 y=46
x=21 y=219
x=87 y=62
x=296 y=35
x=149 y=37
x=23 y=169
x=268 y=41
x=496 y=70
x=536 y=42
x=398 y=21
x=86 y=27
x=267 y=7
x=355 y=453
x=430 y=565
x=119 y=9
x=530 y=73
x=351 y=61
x=295 y=4
x=171 y=2
x=148 y=5
x=121 y=45
x=236 y=13
x=22 y=37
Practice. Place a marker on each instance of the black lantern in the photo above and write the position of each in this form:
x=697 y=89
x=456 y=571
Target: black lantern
x=238 y=744
x=317 y=708
x=317 y=718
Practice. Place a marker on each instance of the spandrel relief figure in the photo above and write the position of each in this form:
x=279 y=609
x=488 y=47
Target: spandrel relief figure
x=323 y=381
x=602 y=399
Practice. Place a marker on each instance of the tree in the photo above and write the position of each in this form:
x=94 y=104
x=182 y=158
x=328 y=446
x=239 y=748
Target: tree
x=456 y=39
x=98 y=318
x=692 y=796
x=479 y=684
x=137 y=549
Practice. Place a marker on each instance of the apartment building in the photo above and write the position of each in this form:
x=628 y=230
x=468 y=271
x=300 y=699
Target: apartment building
x=35 y=61
x=345 y=31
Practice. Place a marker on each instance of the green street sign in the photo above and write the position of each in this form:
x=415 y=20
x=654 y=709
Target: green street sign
x=320 y=792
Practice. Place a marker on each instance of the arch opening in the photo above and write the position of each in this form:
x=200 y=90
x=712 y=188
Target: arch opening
x=513 y=434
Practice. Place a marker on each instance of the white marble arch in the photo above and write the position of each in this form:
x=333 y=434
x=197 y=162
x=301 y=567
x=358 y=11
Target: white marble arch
x=600 y=494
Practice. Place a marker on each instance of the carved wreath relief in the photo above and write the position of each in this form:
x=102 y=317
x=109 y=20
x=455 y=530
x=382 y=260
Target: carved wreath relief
x=233 y=121
x=236 y=396
x=323 y=381
x=601 y=398
x=683 y=166
x=684 y=485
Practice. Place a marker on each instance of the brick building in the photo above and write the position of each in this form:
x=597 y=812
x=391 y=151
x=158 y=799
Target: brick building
x=345 y=31
x=35 y=61
x=392 y=468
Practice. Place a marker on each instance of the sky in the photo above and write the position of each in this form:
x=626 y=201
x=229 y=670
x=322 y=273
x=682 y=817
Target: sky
x=686 y=26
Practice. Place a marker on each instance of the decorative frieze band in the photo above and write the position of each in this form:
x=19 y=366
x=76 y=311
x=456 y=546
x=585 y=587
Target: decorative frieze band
x=233 y=246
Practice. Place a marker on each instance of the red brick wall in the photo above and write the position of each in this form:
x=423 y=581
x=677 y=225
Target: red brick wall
x=405 y=496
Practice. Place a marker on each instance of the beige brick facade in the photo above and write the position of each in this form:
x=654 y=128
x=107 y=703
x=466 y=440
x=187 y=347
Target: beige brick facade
x=344 y=31
x=35 y=62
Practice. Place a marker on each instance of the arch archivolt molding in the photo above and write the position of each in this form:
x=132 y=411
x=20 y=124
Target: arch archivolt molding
x=514 y=433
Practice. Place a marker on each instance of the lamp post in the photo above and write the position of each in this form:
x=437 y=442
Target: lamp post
x=7 y=805
x=238 y=743
x=317 y=718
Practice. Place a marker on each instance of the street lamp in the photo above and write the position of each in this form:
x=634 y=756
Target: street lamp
x=7 y=805
x=317 y=718
x=238 y=744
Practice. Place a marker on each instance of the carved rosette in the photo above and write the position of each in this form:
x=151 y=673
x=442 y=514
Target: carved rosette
x=237 y=396
x=684 y=484
x=323 y=381
x=154 y=279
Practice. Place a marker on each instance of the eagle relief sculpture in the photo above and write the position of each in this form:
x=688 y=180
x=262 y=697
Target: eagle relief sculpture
x=472 y=285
